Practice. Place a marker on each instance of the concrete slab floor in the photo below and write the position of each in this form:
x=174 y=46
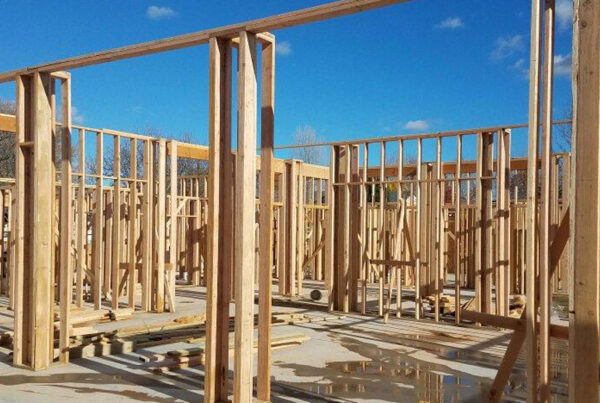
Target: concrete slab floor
x=357 y=358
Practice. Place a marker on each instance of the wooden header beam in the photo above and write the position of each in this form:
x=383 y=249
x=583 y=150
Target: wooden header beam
x=285 y=20
x=449 y=167
x=417 y=136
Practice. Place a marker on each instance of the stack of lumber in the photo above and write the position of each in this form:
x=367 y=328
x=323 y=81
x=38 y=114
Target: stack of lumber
x=186 y=358
x=447 y=304
x=279 y=319
x=517 y=305
x=90 y=342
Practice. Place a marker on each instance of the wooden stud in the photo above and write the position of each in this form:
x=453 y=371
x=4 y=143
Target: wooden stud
x=418 y=231
x=34 y=307
x=584 y=334
x=173 y=227
x=161 y=225
x=98 y=224
x=531 y=346
x=267 y=183
x=457 y=231
x=244 y=218
x=133 y=223
x=220 y=225
x=81 y=223
x=330 y=243
x=116 y=225
x=439 y=229
x=545 y=294
x=147 y=236
x=66 y=223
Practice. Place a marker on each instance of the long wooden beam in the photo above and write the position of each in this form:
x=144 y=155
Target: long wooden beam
x=415 y=136
x=267 y=184
x=245 y=187
x=584 y=315
x=285 y=20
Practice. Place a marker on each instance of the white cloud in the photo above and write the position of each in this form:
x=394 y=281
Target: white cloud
x=451 y=23
x=564 y=14
x=521 y=67
x=283 y=48
x=418 y=125
x=562 y=65
x=76 y=116
x=157 y=13
x=507 y=46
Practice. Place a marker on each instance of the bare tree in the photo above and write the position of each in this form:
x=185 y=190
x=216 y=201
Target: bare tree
x=7 y=143
x=306 y=135
x=564 y=134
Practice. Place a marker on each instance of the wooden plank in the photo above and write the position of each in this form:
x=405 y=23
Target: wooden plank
x=81 y=223
x=133 y=225
x=285 y=20
x=8 y=123
x=330 y=230
x=531 y=346
x=174 y=149
x=267 y=183
x=458 y=230
x=487 y=233
x=381 y=241
x=42 y=194
x=212 y=374
x=189 y=151
x=481 y=296
x=545 y=293
x=244 y=217
x=506 y=366
x=400 y=231
x=115 y=274
x=418 y=231
x=66 y=224
x=300 y=213
x=22 y=174
x=98 y=223
x=438 y=280
x=354 y=229
x=226 y=223
x=292 y=227
x=161 y=225
x=147 y=196
x=584 y=337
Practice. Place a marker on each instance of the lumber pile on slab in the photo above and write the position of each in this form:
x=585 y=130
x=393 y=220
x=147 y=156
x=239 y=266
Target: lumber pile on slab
x=186 y=358
x=447 y=304
x=517 y=305
x=102 y=348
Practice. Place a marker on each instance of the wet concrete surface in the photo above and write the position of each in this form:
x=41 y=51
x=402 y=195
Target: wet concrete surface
x=357 y=358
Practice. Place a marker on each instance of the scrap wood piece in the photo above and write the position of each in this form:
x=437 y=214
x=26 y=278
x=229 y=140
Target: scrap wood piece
x=178 y=323
x=313 y=319
x=469 y=305
x=506 y=322
x=120 y=314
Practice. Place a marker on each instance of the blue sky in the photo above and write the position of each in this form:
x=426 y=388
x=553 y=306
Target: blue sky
x=427 y=65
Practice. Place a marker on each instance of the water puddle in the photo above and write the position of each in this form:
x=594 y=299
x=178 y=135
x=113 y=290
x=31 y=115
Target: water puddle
x=78 y=382
x=418 y=373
